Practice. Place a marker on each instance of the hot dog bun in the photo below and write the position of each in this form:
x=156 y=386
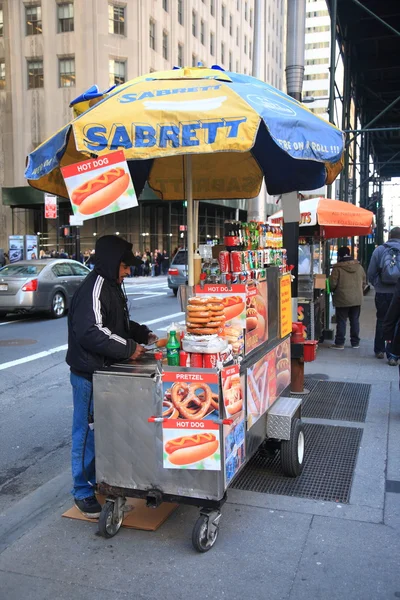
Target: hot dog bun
x=189 y=449
x=251 y=323
x=101 y=191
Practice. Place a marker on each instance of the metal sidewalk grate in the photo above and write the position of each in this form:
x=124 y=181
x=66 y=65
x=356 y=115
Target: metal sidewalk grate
x=335 y=400
x=331 y=455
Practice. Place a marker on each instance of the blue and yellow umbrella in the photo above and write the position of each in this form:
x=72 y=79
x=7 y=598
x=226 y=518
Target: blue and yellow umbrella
x=235 y=128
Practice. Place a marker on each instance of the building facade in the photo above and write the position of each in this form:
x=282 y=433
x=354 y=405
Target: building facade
x=53 y=50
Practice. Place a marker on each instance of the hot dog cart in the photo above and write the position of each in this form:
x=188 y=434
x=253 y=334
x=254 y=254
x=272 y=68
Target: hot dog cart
x=141 y=412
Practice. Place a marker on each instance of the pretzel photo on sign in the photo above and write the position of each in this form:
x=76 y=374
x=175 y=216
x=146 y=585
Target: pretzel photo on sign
x=188 y=402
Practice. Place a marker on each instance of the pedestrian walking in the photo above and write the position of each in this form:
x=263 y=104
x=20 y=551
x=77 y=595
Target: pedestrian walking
x=165 y=263
x=383 y=274
x=2 y=258
x=99 y=332
x=391 y=324
x=347 y=283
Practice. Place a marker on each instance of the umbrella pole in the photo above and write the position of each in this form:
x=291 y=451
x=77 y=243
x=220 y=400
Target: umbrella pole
x=187 y=161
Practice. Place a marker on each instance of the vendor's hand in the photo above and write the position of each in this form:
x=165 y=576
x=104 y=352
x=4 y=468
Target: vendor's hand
x=139 y=351
x=152 y=338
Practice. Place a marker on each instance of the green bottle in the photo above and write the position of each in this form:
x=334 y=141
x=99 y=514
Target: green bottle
x=173 y=347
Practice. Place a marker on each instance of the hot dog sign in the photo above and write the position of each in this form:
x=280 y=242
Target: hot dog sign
x=100 y=186
x=191 y=445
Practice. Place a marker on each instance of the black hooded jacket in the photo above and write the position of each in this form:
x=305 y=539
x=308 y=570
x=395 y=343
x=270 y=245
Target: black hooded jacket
x=99 y=329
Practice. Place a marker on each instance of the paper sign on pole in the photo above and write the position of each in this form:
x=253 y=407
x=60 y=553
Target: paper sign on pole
x=100 y=186
x=50 y=206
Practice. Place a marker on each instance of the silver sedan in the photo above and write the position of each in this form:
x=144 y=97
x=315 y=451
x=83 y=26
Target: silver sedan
x=44 y=285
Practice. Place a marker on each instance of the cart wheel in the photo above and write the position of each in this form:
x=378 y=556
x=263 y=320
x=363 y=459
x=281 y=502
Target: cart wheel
x=109 y=520
x=204 y=536
x=292 y=451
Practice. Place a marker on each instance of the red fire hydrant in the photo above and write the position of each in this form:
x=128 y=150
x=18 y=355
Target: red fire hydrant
x=302 y=351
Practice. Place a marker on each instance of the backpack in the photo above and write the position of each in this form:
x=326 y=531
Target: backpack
x=389 y=270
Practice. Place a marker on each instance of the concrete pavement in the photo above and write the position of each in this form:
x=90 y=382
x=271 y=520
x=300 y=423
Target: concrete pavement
x=274 y=547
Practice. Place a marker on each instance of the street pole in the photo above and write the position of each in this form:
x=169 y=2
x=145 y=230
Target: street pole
x=295 y=48
x=332 y=69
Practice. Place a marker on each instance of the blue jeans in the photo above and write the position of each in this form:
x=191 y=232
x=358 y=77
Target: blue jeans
x=382 y=303
x=82 y=456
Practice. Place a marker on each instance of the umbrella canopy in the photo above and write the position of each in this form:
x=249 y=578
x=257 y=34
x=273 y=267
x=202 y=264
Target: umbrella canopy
x=334 y=217
x=236 y=128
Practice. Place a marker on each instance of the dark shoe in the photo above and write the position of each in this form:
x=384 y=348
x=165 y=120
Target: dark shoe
x=380 y=354
x=89 y=507
x=337 y=347
x=392 y=362
x=355 y=346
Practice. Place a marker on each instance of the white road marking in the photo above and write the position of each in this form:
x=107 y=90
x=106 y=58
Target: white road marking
x=21 y=361
x=12 y=322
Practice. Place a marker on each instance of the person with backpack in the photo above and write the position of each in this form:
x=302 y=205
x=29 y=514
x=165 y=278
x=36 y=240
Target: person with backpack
x=383 y=274
x=391 y=325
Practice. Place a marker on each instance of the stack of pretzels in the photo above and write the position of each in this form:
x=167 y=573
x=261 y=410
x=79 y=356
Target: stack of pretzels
x=205 y=316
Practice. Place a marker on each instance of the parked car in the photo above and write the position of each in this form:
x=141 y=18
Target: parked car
x=32 y=286
x=178 y=271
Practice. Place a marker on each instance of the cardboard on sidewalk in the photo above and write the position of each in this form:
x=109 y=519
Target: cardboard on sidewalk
x=140 y=517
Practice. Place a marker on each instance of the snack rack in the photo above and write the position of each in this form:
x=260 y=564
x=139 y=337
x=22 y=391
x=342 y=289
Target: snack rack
x=137 y=423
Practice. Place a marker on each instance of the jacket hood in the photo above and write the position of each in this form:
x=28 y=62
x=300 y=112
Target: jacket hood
x=108 y=254
x=348 y=264
x=393 y=243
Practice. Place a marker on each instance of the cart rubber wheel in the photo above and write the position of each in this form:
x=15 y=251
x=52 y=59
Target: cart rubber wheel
x=109 y=523
x=201 y=541
x=292 y=451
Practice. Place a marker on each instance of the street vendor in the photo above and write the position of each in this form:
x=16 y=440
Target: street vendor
x=99 y=332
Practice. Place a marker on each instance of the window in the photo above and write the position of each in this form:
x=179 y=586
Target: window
x=1 y=22
x=237 y=36
x=251 y=17
x=212 y=45
x=316 y=93
x=35 y=74
x=79 y=270
x=194 y=23
x=319 y=29
x=116 y=19
x=165 y=5
x=245 y=71
x=316 y=76
x=180 y=55
x=230 y=25
x=66 y=69
x=212 y=7
x=317 y=61
x=245 y=44
x=250 y=49
x=222 y=52
x=237 y=66
x=223 y=15
x=230 y=60
x=152 y=34
x=316 y=45
x=65 y=13
x=117 y=71
x=165 y=45
x=202 y=32
x=180 y=12
x=62 y=270
x=194 y=60
x=2 y=75
x=33 y=16
x=245 y=10
x=237 y=8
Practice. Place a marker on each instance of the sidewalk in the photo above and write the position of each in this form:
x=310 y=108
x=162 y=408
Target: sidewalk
x=270 y=547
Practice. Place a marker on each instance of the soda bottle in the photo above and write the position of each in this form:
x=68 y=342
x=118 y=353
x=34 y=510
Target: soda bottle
x=173 y=347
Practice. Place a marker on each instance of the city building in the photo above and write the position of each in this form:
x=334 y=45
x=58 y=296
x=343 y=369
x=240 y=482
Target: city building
x=53 y=50
x=317 y=56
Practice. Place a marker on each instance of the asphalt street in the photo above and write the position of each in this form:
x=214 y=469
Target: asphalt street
x=35 y=393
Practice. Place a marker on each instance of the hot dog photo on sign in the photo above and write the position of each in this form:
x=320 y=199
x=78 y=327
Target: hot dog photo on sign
x=100 y=186
x=191 y=445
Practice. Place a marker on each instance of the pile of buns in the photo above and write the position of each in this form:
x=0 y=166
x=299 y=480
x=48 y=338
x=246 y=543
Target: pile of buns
x=205 y=316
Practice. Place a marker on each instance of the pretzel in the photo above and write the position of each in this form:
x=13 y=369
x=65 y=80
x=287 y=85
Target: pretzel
x=188 y=403
x=171 y=412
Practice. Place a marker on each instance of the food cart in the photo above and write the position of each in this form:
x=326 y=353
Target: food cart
x=321 y=219
x=181 y=434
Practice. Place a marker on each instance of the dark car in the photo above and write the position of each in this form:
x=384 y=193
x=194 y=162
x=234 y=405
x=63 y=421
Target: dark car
x=30 y=286
x=178 y=271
